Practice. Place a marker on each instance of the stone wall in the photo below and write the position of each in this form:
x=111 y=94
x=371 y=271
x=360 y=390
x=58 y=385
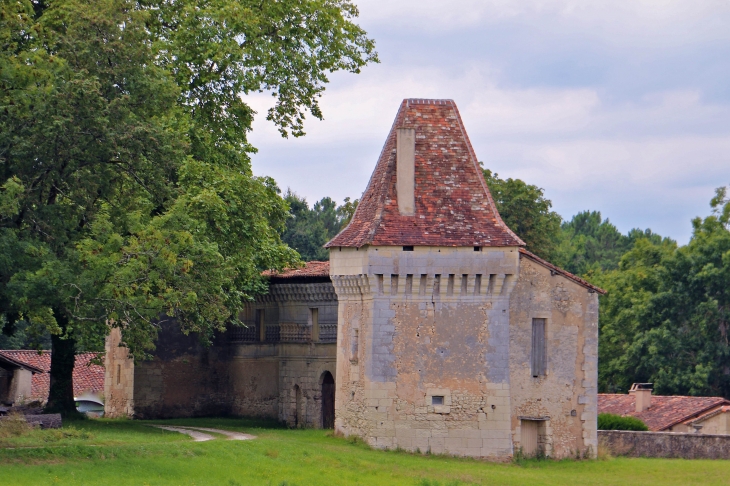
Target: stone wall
x=248 y=371
x=118 y=378
x=414 y=325
x=665 y=444
x=564 y=399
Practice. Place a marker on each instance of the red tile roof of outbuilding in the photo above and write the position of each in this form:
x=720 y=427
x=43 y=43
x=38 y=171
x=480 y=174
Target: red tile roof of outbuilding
x=664 y=412
x=310 y=269
x=86 y=376
x=453 y=205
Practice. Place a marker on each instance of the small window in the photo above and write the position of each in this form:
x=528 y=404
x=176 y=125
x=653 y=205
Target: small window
x=354 y=345
x=477 y=248
x=314 y=318
x=437 y=400
x=407 y=248
x=539 y=348
x=260 y=325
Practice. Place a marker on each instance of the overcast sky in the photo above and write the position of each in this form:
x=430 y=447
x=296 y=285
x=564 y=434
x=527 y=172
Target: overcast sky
x=620 y=106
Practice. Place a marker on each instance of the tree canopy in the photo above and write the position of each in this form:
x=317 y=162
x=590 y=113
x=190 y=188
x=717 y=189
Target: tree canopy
x=307 y=230
x=525 y=210
x=127 y=194
x=666 y=317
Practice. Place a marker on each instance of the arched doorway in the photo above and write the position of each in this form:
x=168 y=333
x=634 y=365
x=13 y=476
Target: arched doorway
x=328 y=401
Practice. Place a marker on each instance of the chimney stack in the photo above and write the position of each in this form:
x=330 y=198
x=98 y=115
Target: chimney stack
x=642 y=395
x=406 y=170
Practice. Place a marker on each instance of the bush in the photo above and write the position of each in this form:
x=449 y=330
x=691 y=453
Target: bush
x=14 y=425
x=609 y=421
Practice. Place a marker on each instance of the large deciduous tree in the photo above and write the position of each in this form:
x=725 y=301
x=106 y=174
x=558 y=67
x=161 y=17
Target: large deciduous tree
x=666 y=318
x=526 y=211
x=127 y=194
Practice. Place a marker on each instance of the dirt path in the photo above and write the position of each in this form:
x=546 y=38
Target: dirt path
x=197 y=436
x=227 y=433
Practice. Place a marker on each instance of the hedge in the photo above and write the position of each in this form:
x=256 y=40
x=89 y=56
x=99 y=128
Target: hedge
x=609 y=421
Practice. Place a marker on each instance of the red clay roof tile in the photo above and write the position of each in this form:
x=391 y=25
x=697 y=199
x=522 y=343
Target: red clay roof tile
x=86 y=376
x=664 y=412
x=453 y=205
x=310 y=269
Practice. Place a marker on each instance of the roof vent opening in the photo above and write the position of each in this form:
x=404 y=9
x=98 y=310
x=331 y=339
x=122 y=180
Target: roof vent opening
x=406 y=170
x=407 y=248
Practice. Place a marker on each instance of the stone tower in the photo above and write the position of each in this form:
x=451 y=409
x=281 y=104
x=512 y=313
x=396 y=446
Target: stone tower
x=423 y=275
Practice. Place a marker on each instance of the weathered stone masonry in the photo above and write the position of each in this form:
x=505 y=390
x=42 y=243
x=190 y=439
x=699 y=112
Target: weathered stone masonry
x=271 y=371
x=452 y=338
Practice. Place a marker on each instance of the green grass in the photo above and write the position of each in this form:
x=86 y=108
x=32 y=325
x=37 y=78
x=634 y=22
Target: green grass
x=124 y=452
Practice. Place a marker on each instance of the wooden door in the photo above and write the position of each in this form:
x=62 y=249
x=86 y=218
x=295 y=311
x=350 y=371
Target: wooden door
x=528 y=438
x=328 y=401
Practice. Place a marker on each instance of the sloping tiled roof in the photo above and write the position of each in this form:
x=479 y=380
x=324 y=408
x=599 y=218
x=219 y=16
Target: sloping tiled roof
x=310 y=269
x=14 y=363
x=710 y=413
x=664 y=412
x=86 y=377
x=560 y=271
x=453 y=206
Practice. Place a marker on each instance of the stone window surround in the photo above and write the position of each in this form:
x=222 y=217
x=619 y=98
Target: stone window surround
x=547 y=315
x=439 y=392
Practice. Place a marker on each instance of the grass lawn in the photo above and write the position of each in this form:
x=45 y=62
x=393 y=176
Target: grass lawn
x=129 y=452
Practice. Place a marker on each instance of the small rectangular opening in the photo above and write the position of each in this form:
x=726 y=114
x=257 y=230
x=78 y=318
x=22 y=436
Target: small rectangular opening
x=477 y=248
x=314 y=318
x=261 y=324
x=437 y=400
x=407 y=248
x=354 y=345
x=450 y=285
x=478 y=284
x=539 y=348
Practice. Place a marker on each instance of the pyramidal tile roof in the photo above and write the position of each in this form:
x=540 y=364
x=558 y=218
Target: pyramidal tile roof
x=453 y=206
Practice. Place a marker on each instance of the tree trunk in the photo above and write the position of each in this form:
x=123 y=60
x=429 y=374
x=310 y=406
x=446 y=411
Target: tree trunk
x=63 y=357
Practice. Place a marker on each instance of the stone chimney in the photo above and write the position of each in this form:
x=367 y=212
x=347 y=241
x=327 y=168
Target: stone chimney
x=642 y=395
x=406 y=170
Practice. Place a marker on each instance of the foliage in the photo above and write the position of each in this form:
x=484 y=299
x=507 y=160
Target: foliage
x=590 y=243
x=609 y=421
x=525 y=210
x=126 y=192
x=666 y=317
x=307 y=230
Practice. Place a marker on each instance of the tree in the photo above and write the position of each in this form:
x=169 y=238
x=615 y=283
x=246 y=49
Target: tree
x=526 y=211
x=128 y=196
x=307 y=230
x=666 y=318
x=592 y=243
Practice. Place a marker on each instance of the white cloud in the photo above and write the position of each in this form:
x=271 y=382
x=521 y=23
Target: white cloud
x=647 y=159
